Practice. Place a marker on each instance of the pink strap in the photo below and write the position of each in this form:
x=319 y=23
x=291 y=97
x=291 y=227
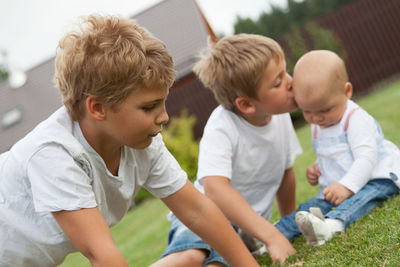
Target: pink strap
x=314 y=131
x=346 y=124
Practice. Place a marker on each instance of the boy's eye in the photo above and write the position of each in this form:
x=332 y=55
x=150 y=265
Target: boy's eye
x=278 y=83
x=149 y=108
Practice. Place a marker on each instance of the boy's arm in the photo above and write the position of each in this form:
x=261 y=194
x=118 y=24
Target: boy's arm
x=89 y=232
x=286 y=195
x=204 y=218
x=241 y=214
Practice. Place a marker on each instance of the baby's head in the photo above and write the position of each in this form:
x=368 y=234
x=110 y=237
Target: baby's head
x=321 y=87
x=238 y=66
x=109 y=58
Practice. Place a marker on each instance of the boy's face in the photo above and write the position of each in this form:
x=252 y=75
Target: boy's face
x=275 y=94
x=138 y=119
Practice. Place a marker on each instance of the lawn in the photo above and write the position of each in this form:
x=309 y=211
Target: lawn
x=372 y=241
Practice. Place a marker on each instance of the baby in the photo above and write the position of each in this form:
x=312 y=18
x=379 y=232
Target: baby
x=356 y=168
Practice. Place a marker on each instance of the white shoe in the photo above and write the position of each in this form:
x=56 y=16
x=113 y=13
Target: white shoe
x=260 y=251
x=256 y=247
x=336 y=226
x=313 y=227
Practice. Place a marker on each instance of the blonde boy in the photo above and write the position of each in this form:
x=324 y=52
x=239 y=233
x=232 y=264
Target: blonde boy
x=356 y=167
x=76 y=174
x=248 y=147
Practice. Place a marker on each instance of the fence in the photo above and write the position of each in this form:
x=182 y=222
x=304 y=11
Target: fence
x=369 y=31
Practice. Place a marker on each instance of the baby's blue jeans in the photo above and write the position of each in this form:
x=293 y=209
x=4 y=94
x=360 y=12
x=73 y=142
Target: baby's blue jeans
x=374 y=193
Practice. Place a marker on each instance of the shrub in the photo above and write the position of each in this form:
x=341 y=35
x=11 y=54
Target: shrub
x=179 y=140
x=3 y=72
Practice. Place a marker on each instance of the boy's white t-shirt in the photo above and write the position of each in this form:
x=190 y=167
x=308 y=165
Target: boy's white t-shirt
x=53 y=168
x=254 y=158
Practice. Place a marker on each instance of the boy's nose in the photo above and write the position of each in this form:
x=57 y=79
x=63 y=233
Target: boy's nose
x=163 y=117
x=289 y=84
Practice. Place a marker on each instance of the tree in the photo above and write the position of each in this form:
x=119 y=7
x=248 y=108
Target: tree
x=309 y=37
x=247 y=25
x=295 y=27
x=280 y=21
x=4 y=72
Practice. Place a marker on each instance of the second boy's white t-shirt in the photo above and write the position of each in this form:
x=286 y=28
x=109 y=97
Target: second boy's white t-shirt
x=254 y=158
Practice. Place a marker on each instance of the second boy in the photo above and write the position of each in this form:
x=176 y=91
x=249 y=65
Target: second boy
x=248 y=147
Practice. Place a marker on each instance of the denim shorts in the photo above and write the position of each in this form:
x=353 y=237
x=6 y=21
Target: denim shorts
x=182 y=238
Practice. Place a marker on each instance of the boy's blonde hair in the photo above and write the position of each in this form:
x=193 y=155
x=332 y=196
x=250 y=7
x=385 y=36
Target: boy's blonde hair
x=109 y=58
x=235 y=65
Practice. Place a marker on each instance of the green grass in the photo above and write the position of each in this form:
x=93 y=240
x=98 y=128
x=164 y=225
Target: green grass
x=372 y=241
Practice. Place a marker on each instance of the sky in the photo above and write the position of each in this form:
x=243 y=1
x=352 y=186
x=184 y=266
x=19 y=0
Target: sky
x=30 y=29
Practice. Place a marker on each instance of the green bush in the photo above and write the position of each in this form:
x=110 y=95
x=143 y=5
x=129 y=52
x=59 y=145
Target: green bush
x=179 y=139
x=3 y=72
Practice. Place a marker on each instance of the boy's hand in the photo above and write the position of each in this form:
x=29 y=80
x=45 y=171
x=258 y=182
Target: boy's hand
x=336 y=193
x=280 y=249
x=313 y=174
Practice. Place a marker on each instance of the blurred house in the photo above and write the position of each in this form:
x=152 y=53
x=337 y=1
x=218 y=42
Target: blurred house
x=368 y=29
x=180 y=24
x=23 y=107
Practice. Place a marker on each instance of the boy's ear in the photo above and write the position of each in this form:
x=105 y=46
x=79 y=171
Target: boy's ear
x=95 y=108
x=245 y=105
x=348 y=90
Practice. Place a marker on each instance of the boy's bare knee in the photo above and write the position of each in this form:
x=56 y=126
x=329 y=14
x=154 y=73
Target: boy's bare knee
x=186 y=258
x=193 y=257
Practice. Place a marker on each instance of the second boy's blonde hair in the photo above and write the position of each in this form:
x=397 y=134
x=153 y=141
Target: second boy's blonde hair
x=109 y=58
x=234 y=66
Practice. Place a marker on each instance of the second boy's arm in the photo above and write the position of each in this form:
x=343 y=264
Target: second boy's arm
x=204 y=218
x=240 y=213
x=286 y=195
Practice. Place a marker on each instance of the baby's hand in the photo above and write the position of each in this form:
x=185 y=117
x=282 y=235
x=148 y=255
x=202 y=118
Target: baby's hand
x=312 y=174
x=337 y=193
